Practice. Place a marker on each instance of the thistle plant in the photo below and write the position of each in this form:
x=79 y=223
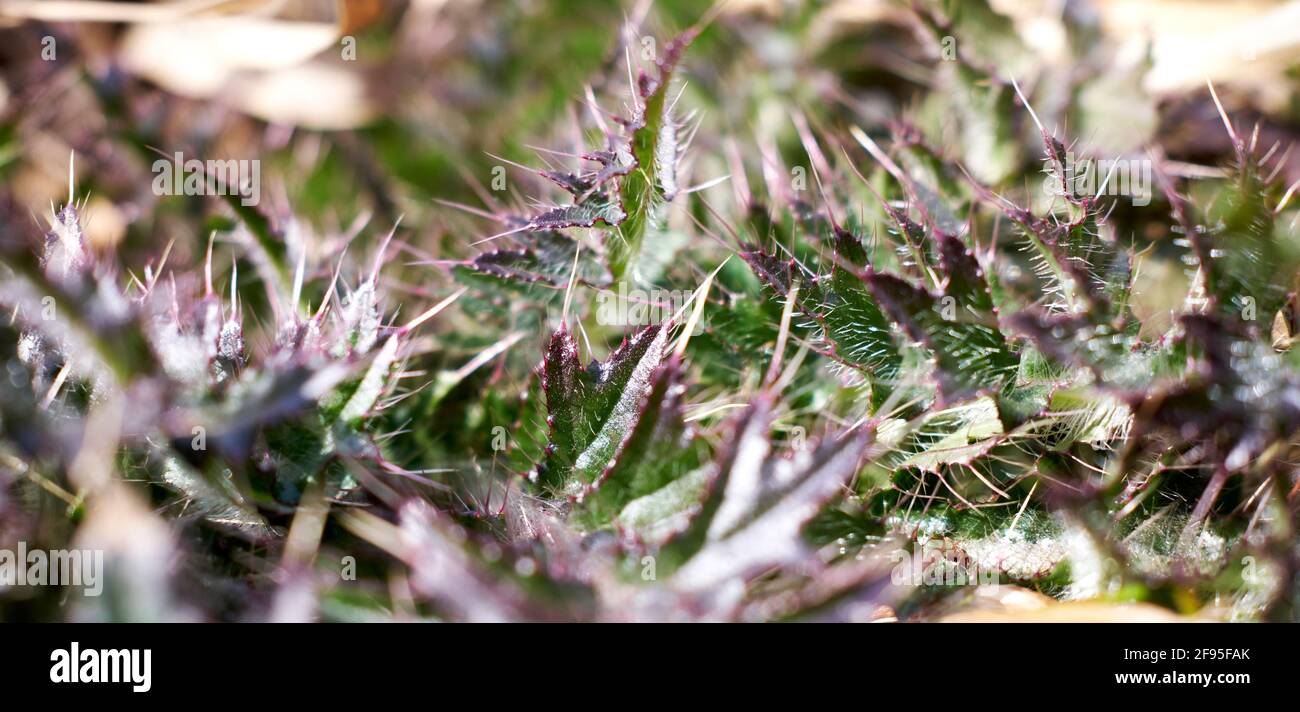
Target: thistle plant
x=902 y=342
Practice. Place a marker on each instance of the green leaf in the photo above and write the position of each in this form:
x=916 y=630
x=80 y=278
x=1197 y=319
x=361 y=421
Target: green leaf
x=656 y=516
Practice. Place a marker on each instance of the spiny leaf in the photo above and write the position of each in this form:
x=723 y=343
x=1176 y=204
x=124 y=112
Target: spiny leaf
x=757 y=506
x=972 y=355
x=852 y=322
x=859 y=329
x=747 y=448
x=655 y=452
x=1068 y=258
x=654 y=146
x=589 y=410
x=585 y=214
x=655 y=517
x=1076 y=341
x=269 y=252
x=547 y=258
x=1249 y=272
x=217 y=504
x=941 y=195
x=372 y=383
x=1238 y=398
x=115 y=340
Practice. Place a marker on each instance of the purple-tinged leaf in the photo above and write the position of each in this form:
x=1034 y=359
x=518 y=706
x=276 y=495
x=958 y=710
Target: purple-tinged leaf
x=590 y=411
x=971 y=354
